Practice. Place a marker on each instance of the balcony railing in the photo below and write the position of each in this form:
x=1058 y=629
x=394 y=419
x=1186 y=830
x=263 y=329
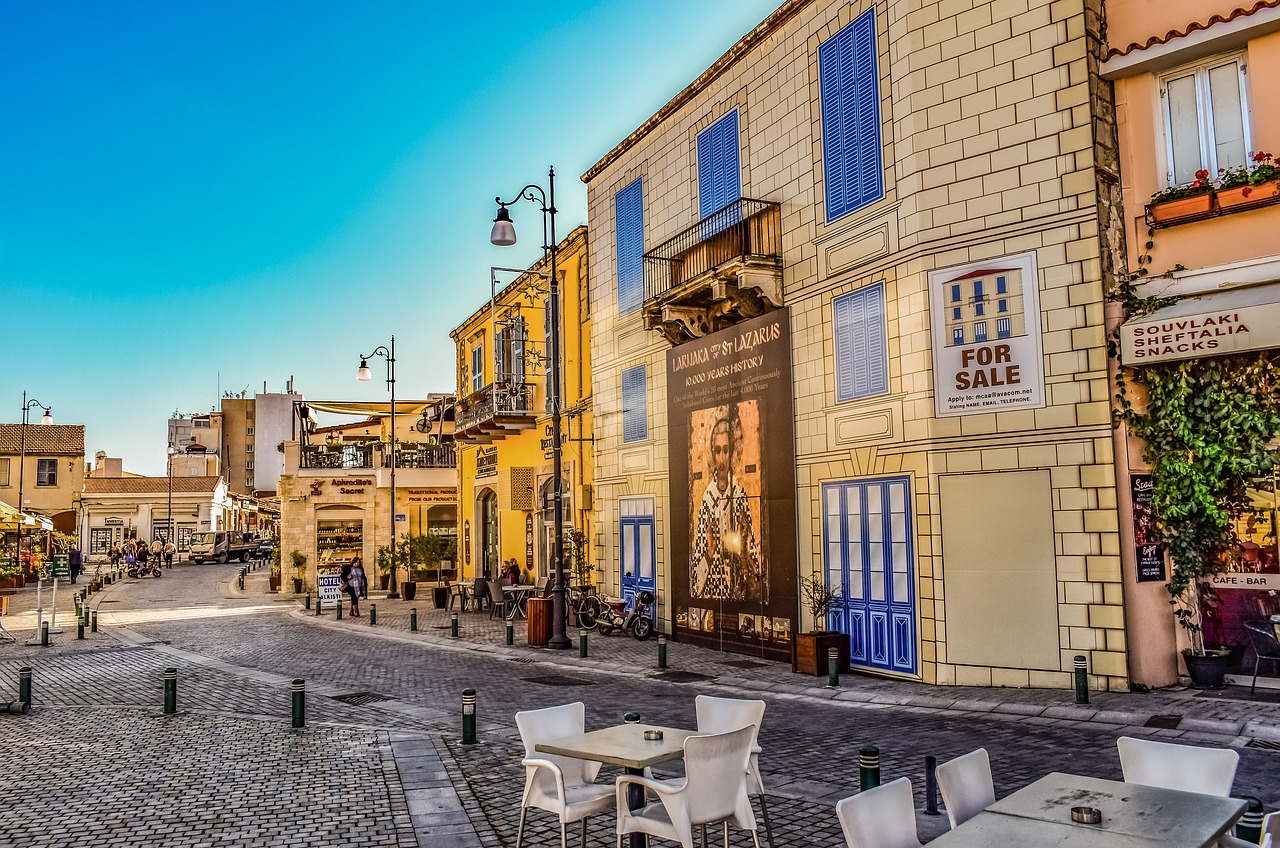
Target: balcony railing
x=425 y=456
x=344 y=456
x=507 y=399
x=744 y=229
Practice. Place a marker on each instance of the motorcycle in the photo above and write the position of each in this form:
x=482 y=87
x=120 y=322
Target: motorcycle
x=151 y=569
x=616 y=616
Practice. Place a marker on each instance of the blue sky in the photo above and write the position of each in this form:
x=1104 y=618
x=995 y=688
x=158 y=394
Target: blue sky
x=195 y=196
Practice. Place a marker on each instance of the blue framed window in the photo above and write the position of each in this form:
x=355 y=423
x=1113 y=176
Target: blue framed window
x=635 y=417
x=719 y=165
x=955 y=294
x=628 y=224
x=980 y=331
x=1002 y=328
x=979 y=309
x=1002 y=305
x=978 y=295
x=955 y=314
x=1001 y=286
x=849 y=83
x=957 y=335
x=861 y=344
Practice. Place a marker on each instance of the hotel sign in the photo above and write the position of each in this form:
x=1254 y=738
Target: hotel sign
x=1214 y=325
x=987 y=352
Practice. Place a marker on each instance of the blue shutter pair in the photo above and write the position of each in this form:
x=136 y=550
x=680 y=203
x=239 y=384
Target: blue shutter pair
x=635 y=419
x=862 y=367
x=629 y=231
x=719 y=165
x=849 y=82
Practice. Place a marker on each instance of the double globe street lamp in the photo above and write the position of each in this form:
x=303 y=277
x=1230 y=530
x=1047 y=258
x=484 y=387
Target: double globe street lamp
x=46 y=419
x=504 y=235
x=363 y=375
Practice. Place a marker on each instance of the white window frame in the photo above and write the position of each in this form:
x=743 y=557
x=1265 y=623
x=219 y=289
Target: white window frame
x=477 y=373
x=1208 y=150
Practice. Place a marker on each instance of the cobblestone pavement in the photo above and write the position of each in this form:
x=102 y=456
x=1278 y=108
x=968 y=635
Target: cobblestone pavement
x=390 y=696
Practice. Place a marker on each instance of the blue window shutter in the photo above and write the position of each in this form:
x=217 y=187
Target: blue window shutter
x=719 y=165
x=849 y=85
x=629 y=232
x=635 y=418
x=862 y=367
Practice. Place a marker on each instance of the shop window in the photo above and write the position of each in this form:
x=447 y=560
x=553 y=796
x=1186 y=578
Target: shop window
x=635 y=419
x=862 y=366
x=628 y=225
x=1205 y=118
x=46 y=472
x=849 y=83
x=338 y=541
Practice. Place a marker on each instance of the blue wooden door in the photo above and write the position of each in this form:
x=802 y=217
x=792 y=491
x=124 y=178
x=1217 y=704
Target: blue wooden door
x=869 y=560
x=637 y=550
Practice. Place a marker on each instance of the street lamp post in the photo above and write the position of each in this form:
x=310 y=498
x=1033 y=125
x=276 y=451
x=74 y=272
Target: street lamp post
x=47 y=418
x=363 y=375
x=504 y=234
x=169 y=534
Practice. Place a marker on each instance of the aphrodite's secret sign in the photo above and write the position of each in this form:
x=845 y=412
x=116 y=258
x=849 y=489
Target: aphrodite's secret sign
x=987 y=354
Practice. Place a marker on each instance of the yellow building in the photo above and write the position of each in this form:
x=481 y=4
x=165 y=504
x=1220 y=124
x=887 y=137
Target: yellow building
x=45 y=461
x=503 y=421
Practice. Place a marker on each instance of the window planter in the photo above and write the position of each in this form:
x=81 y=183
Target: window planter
x=1243 y=197
x=1179 y=210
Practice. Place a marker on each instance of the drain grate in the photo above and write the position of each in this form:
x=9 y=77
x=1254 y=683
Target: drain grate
x=745 y=664
x=525 y=660
x=1164 y=722
x=680 y=676
x=1264 y=744
x=359 y=699
x=559 y=680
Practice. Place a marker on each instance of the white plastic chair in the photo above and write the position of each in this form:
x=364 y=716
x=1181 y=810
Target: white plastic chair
x=1209 y=771
x=561 y=785
x=966 y=785
x=1229 y=841
x=1271 y=827
x=884 y=817
x=717 y=715
x=714 y=789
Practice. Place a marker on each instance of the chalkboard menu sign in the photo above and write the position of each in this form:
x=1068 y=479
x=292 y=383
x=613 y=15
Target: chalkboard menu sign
x=1150 y=553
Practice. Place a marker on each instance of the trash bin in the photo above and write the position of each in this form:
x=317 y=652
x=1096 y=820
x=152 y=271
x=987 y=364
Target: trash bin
x=539 y=612
x=439 y=596
x=409 y=589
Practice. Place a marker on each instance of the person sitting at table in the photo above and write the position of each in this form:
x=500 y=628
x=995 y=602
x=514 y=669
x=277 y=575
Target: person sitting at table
x=512 y=572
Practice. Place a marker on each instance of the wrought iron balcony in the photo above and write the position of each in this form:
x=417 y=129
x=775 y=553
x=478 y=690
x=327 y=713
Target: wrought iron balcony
x=723 y=269
x=337 y=456
x=497 y=408
x=423 y=456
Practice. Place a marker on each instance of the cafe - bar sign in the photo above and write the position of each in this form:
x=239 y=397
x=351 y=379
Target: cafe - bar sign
x=987 y=352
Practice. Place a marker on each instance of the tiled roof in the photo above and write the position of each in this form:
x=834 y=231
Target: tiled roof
x=1238 y=12
x=149 y=485
x=58 y=439
x=973 y=275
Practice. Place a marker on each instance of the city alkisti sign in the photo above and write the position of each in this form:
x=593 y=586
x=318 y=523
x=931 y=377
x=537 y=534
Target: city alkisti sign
x=987 y=351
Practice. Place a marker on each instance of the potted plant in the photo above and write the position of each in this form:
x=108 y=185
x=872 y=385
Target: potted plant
x=1181 y=203
x=273 y=581
x=809 y=650
x=1245 y=186
x=299 y=562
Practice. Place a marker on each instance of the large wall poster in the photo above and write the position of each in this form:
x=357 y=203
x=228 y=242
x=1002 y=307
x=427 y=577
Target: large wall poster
x=732 y=450
x=987 y=351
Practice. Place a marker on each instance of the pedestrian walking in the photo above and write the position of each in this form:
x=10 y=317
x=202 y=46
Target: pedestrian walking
x=114 y=555
x=169 y=551
x=157 y=549
x=353 y=583
x=75 y=562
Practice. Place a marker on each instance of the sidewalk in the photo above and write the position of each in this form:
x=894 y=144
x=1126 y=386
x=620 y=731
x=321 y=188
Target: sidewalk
x=1166 y=713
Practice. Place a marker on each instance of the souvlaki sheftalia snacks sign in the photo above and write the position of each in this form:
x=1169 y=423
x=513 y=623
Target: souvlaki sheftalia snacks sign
x=987 y=351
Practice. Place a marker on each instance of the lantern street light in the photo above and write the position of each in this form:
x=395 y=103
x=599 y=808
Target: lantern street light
x=46 y=419
x=504 y=235
x=363 y=375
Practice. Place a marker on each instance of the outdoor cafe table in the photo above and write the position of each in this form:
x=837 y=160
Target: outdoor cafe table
x=518 y=594
x=623 y=745
x=1133 y=816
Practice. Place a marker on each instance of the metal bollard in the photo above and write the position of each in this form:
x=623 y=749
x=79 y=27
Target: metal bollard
x=170 y=690
x=582 y=644
x=1249 y=827
x=308 y=600
x=79 y=608
x=242 y=578
x=511 y=633
x=868 y=767
x=631 y=718
x=931 y=786
x=833 y=667
x=299 y=693
x=373 y=614
x=413 y=620
x=339 y=608
x=80 y=627
x=468 y=716
x=1082 y=679
x=24 y=684
x=13 y=707
x=320 y=606
x=93 y=621
x=662 y=650
x=44 y=634
x=453 y=625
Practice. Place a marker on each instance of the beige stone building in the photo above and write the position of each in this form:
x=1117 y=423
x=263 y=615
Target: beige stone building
x=47 y=463
x=780 y=390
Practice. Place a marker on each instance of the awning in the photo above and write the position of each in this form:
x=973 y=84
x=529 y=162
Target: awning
x=372 y=408
x=1215 y=324
x=10 y=516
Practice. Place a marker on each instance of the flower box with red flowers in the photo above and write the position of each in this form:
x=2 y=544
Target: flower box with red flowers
x=1182 y=203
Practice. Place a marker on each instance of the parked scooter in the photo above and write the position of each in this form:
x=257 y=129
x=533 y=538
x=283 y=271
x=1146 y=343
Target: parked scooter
x=636 y=621
x=151 y=569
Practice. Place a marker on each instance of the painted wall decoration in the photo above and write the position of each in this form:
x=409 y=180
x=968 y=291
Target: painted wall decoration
x=732 y=479
x=987 y=350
